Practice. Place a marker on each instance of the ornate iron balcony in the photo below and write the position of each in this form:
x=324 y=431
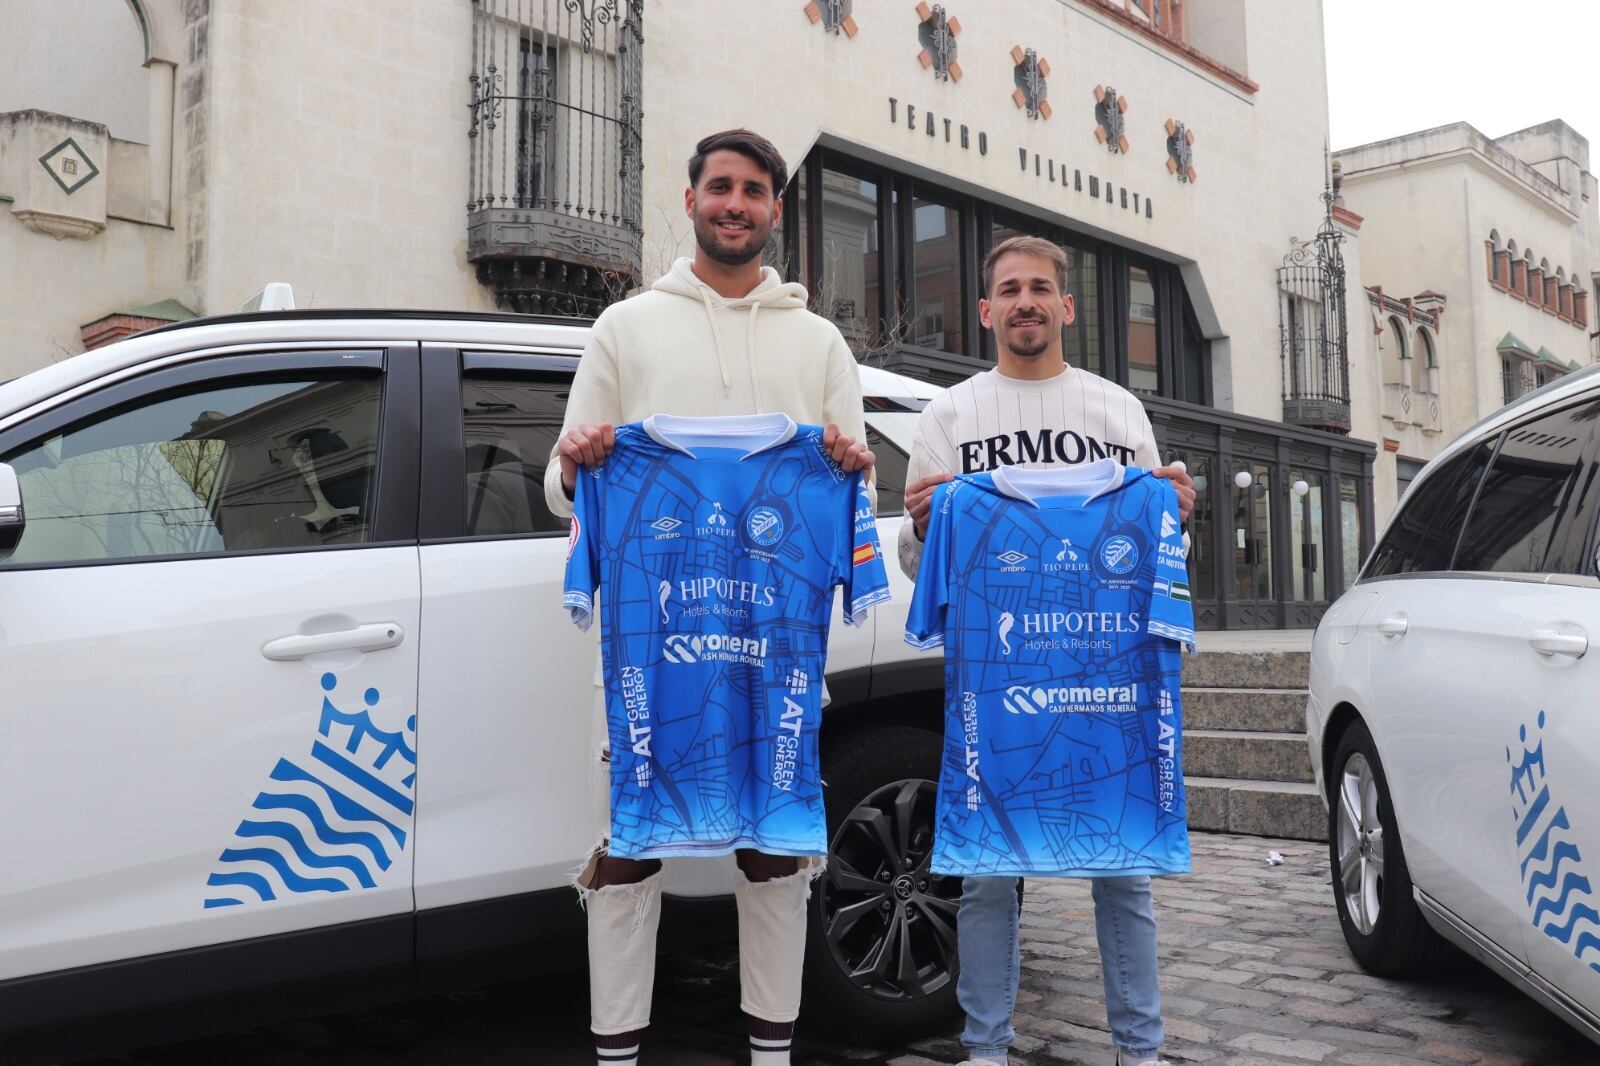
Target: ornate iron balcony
x=555 y=183
x=1312 y=331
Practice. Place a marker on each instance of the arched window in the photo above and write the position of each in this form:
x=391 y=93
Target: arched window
x=100 y=75
x=1527 y=275
x=1397 y=361
x=1494 y=256
x=1428 y=365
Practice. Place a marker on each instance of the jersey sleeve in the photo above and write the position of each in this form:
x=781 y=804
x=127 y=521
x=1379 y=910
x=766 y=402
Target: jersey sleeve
x=925 y=620
x=583 y=550
x=861 y=559
x=1171 y=612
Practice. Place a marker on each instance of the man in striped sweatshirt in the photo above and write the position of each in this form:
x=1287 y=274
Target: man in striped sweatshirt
x=1034 y=409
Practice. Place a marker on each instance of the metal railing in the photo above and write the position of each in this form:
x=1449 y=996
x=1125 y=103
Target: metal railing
x=1313 y=338
x=555 y=182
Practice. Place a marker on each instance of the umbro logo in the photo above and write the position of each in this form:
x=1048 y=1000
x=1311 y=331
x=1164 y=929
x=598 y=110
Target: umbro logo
x=1169 y=525
x=666 y=524
x=1011 y=560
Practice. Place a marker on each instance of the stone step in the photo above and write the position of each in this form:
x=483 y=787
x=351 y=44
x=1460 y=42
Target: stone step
x=1271 y=710
x=1246 y=755
x=1260 y=808
x=1247 y=669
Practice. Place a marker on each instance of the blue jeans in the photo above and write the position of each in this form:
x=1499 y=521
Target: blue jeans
x=987 y=934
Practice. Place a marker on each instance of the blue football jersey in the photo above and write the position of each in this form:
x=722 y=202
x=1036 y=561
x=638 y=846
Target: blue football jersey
x=715 y=545
x=1061 y=596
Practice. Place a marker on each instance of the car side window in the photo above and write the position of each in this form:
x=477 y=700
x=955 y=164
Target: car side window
x=890 y=470
x=255 y=463
x=1423 y=534
x=510 y=422
x=1538 y=497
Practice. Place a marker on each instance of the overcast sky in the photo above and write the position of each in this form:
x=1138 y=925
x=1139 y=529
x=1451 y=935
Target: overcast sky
x=1398 y=66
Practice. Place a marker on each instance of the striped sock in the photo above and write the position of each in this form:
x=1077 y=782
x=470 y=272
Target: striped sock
x=621 y=1049
x=769 y=1042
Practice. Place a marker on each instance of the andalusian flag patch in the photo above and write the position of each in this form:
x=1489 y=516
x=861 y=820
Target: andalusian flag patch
x=1180 y=590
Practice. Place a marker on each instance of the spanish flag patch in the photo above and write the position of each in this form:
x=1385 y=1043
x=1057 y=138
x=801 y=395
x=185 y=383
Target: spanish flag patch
x=864 y=553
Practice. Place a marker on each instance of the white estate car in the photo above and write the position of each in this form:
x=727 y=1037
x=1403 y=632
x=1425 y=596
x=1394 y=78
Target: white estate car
x=291 y=713
x=1454 y=715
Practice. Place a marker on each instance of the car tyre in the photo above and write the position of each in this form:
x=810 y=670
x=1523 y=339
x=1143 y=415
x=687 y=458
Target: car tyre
x=1383 y=926
x=881 y=963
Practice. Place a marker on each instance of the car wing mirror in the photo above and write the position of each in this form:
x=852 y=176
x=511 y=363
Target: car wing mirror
x=11 y=516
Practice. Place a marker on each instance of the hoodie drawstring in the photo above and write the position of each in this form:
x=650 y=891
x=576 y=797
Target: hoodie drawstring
x=750 y=354
x=716 y=338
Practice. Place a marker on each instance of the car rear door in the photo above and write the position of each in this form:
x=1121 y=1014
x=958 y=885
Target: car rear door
x=1548 y=473
x=208 y=660
x=507 y=681
x=1440 y=644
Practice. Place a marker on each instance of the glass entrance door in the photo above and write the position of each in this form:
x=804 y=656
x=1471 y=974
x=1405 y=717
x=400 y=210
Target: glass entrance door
x=1307 y=535
x=1251 y=490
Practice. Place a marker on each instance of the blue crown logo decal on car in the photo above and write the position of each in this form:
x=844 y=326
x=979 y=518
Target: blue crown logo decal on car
x=1560 y=897
x=331 y=822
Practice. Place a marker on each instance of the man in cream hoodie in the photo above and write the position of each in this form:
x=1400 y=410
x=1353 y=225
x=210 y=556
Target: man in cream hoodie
x=718 y=335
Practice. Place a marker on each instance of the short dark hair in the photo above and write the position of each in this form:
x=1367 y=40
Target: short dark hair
x=747 y=143
x=1026 y=245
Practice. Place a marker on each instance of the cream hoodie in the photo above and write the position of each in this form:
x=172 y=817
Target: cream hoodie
x=681 y=349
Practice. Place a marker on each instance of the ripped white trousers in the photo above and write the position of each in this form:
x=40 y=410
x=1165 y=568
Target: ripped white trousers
x=623 y=920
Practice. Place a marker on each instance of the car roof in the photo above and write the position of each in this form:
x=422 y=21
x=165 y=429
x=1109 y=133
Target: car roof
x=342 y=327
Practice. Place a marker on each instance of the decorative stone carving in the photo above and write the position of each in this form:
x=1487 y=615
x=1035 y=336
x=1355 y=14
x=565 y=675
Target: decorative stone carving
x=1108 y=111
x=937 y=34
x=1180 y=154
x=63 y=192
x=1029 y=75
x=834 y=16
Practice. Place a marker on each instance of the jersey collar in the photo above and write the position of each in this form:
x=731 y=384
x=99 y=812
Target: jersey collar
x=1026 y=483
x=765 y=431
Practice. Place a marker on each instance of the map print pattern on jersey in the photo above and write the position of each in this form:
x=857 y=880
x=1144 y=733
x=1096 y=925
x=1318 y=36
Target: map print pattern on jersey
x=1061 y=596
x=715 y=544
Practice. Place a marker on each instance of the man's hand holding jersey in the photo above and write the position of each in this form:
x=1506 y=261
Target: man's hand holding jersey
x=849 y=453
x=1183 y=484
x=919 y=501
x=584 y=445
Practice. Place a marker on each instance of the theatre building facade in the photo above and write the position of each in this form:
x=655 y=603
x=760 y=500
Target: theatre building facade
x=1176 y=150
x=529 y=155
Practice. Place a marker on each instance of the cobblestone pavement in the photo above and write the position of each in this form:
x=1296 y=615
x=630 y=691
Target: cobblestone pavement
x=1254 y=971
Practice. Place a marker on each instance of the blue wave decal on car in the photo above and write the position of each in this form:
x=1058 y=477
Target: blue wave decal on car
x=332 y=822
x=1559 y=896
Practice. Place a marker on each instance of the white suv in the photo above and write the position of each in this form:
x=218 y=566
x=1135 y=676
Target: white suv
x=291 y=710
x=1454 y=715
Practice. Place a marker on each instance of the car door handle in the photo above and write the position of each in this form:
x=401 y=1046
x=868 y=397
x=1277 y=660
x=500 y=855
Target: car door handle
x=1392 y=627
x=373 y=637
x=1553 y=642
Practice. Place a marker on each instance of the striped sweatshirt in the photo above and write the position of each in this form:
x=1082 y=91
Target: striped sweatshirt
x=991 y=420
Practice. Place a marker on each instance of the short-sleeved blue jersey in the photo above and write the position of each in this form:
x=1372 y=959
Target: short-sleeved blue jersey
x=715 y=545
x=1061 y=596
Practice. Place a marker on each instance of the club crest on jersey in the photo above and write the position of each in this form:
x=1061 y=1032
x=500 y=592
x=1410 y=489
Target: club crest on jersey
x=764 y=526
x=1119 y=555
